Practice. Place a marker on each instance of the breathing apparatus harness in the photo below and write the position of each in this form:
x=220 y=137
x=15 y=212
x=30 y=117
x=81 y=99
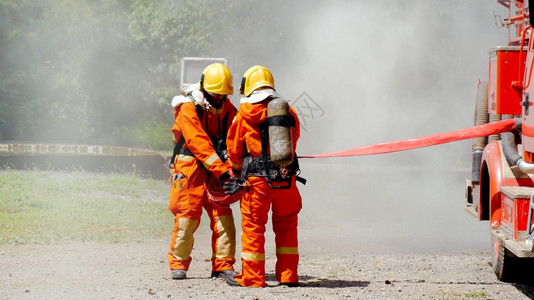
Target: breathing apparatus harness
x=218 y=142
x=263 y=166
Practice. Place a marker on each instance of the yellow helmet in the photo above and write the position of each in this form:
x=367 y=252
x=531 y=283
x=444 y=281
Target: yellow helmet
x=254 y=78
x=217 y=79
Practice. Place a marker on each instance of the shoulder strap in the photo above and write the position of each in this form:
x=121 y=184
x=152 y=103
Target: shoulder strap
x=225 y=126
x=284 y=120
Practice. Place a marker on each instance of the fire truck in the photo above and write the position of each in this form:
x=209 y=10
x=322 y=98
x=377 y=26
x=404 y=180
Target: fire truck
x=501 y=188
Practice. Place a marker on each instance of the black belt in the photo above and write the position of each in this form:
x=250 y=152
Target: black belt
x=185 y=151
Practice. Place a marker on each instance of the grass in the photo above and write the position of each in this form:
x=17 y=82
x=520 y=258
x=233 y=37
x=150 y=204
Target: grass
x=41 y=207
x=468 y=295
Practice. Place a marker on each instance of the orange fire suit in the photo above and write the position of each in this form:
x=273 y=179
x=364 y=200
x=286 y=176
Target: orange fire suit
x=244 y=135
x=188 y=193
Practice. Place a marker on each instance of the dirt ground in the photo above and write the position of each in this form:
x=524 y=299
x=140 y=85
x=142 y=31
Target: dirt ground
x=89 y=270
x=389 y=245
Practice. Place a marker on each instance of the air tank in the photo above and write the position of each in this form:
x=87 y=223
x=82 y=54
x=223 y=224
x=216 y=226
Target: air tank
x=280 y=141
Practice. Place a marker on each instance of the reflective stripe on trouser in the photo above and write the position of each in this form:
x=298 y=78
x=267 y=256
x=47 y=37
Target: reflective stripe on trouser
x=255 y=205
x=188 y=196
x=182 y=243
x=222 y=238
x=223 y=242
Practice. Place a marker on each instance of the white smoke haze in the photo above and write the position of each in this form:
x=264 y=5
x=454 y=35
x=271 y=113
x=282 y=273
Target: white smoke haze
x=384 y=71
x=380 y=71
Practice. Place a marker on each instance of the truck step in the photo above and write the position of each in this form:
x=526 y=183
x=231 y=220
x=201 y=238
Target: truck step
x=517 y=192
x=470 y=209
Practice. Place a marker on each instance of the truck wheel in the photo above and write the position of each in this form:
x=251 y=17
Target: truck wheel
x=503 y=264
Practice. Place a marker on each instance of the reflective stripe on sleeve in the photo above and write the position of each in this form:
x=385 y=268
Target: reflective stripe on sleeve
x=235 y=166
x=186 y=158
x=214 y=157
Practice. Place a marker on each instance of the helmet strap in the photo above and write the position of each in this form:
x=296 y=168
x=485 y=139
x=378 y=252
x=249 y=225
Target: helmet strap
x=201 y=85
x=242 y=86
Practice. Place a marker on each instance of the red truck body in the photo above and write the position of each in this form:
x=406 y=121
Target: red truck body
x=502 y=185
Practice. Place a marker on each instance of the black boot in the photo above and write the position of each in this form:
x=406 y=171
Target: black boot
x=178 y=274
x=223 y=274
x=231 y=281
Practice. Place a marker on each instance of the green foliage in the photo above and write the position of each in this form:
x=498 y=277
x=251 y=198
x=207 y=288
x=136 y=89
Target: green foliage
x=44 y=93
x=91 y=71
x=80 y=71
x=169 y=30
x=47 y=207
x=154 y=135
x=16 y=29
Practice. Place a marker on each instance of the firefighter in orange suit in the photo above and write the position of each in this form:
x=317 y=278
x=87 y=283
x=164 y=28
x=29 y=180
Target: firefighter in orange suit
x=260 y=193
x=202 y=118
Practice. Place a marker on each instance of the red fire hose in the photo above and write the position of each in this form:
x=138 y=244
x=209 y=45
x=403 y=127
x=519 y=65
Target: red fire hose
x=424 y=141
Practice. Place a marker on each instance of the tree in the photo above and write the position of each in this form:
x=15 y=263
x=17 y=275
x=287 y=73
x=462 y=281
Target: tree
x=105 y=71
x=16 y=32
x=169 y=30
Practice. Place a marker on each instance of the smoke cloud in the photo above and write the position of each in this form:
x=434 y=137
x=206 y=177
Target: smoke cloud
x=359 y=73
x=365 y=72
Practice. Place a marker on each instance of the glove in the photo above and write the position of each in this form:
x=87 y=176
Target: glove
x=233 y=172
x=232 y=186
x=223 y=178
